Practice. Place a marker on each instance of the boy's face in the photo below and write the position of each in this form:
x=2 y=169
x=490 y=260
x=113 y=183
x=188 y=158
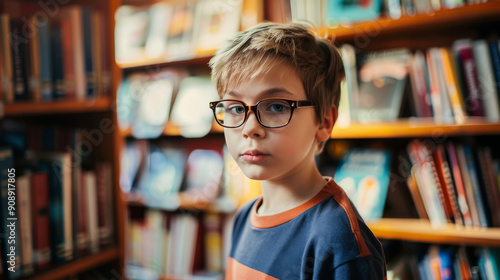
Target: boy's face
x=273 y=153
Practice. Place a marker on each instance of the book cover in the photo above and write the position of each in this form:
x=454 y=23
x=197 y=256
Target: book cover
x=7 y=82
x=382 y=81
x=189 y=111
x=203 y=174
x=463 y=50
x=492 y=191
x=350 y=92
x=364 y=176
x=451 y=85
x=165 y=174
x=156 y=42
x=58 y=166
x=74 y=14
x=41 y=219
x=181 y=30
x=131 y=31
x=20 y=62
x=345 y=11
x=467 y=182
x=420 y=92
x=459 y=185
x=438 y=108
x=215 y=22
x=446 y=178
x=57 y=56
x=154 y=100
x=90 y=183
x=25 y=227
x=486 y=80
x=476 y=184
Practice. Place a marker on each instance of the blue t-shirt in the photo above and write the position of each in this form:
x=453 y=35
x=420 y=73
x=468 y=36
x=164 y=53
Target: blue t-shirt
x=324 y=238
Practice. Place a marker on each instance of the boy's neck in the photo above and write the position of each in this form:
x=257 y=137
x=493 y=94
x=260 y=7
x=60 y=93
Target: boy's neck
x=290 y=192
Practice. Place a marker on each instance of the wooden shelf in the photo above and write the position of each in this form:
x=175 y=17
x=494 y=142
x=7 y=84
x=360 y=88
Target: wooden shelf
x=184 y=201
x=76 y=266
x=165 y=61
x=444 y=18
x=422 y=231
x=172 y=130
x=415 y=128
x=57 y=107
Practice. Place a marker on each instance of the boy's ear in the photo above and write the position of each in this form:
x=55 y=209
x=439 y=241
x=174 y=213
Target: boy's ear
x=326 y=126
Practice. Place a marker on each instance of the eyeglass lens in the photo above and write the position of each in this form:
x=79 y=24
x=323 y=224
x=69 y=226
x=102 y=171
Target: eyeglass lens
x=270 y=113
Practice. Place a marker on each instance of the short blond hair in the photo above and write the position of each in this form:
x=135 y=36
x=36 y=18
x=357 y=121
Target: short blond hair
x=317 y=61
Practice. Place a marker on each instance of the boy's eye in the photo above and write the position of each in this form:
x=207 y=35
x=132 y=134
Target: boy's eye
x=277 y=107
x=236 y=109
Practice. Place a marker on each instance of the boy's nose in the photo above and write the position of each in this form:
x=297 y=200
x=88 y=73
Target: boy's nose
x=252 y=128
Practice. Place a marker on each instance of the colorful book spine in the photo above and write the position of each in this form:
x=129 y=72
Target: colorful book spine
x=457 y=178
x=41 y=219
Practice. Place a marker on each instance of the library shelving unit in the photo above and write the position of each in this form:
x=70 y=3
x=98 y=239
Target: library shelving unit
x=440 y=28
x=87 y=113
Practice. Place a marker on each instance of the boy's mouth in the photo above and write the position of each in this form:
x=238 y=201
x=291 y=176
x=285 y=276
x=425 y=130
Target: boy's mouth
x=254 y=156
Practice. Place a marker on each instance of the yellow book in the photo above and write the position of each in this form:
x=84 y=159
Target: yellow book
x=452 y=86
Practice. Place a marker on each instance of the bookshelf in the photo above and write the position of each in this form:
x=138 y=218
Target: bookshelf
x=68 y=113
x=439 y=28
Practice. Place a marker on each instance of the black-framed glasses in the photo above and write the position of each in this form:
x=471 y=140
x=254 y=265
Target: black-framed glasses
x=270 y=113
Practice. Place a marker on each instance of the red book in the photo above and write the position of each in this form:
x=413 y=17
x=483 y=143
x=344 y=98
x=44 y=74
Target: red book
x=443 y=170
x=40 y=216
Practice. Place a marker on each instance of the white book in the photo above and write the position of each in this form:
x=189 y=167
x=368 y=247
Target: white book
x=25 y=223
x=486 y=80
x=90 y=183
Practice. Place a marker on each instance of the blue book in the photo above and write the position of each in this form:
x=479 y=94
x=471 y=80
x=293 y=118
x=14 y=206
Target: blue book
x=57 y=62
x=88 y=51
x=494 y=46
x=476 y=184
x=364 y=175
x=9 y=231
x=45 y=61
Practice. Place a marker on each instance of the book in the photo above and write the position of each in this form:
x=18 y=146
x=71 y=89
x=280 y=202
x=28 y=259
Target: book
x=338 y=11
x=467 y=182
x=473 y=98
x=164 y=176
x=189 y=110
x=351 y=90
x=203 y=174
x=420 y=92
x=215 y=22
x=382 y=82
x=451 y=86
x=88 y=52
x=415 y=194
x=20 y=62
x=156 y=42
x=476 y=184
x=459 y=185
x=492 y=191
x=486 y=80
x=25 y=227
x=58 y=166
x=105 y=206
x=131 y=31
x=154 y=100
x=494 y=47
x=7 y=82
x=180 y=41
x=45 y=57
x=364 y=175
x=57 y=61
x=41 y=218
x=90 y=185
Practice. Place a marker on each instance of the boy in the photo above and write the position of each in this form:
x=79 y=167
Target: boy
x=280 y=89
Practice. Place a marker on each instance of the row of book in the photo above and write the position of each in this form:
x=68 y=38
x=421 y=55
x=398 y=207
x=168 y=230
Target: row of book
x=177 y=245
x=455 y=183
x=61 y=56
x=447 y=84
x=333 y=12
x=65 y=203
x=148 y=100
x=446 y=262
x=158 y=171
x=177 y=29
